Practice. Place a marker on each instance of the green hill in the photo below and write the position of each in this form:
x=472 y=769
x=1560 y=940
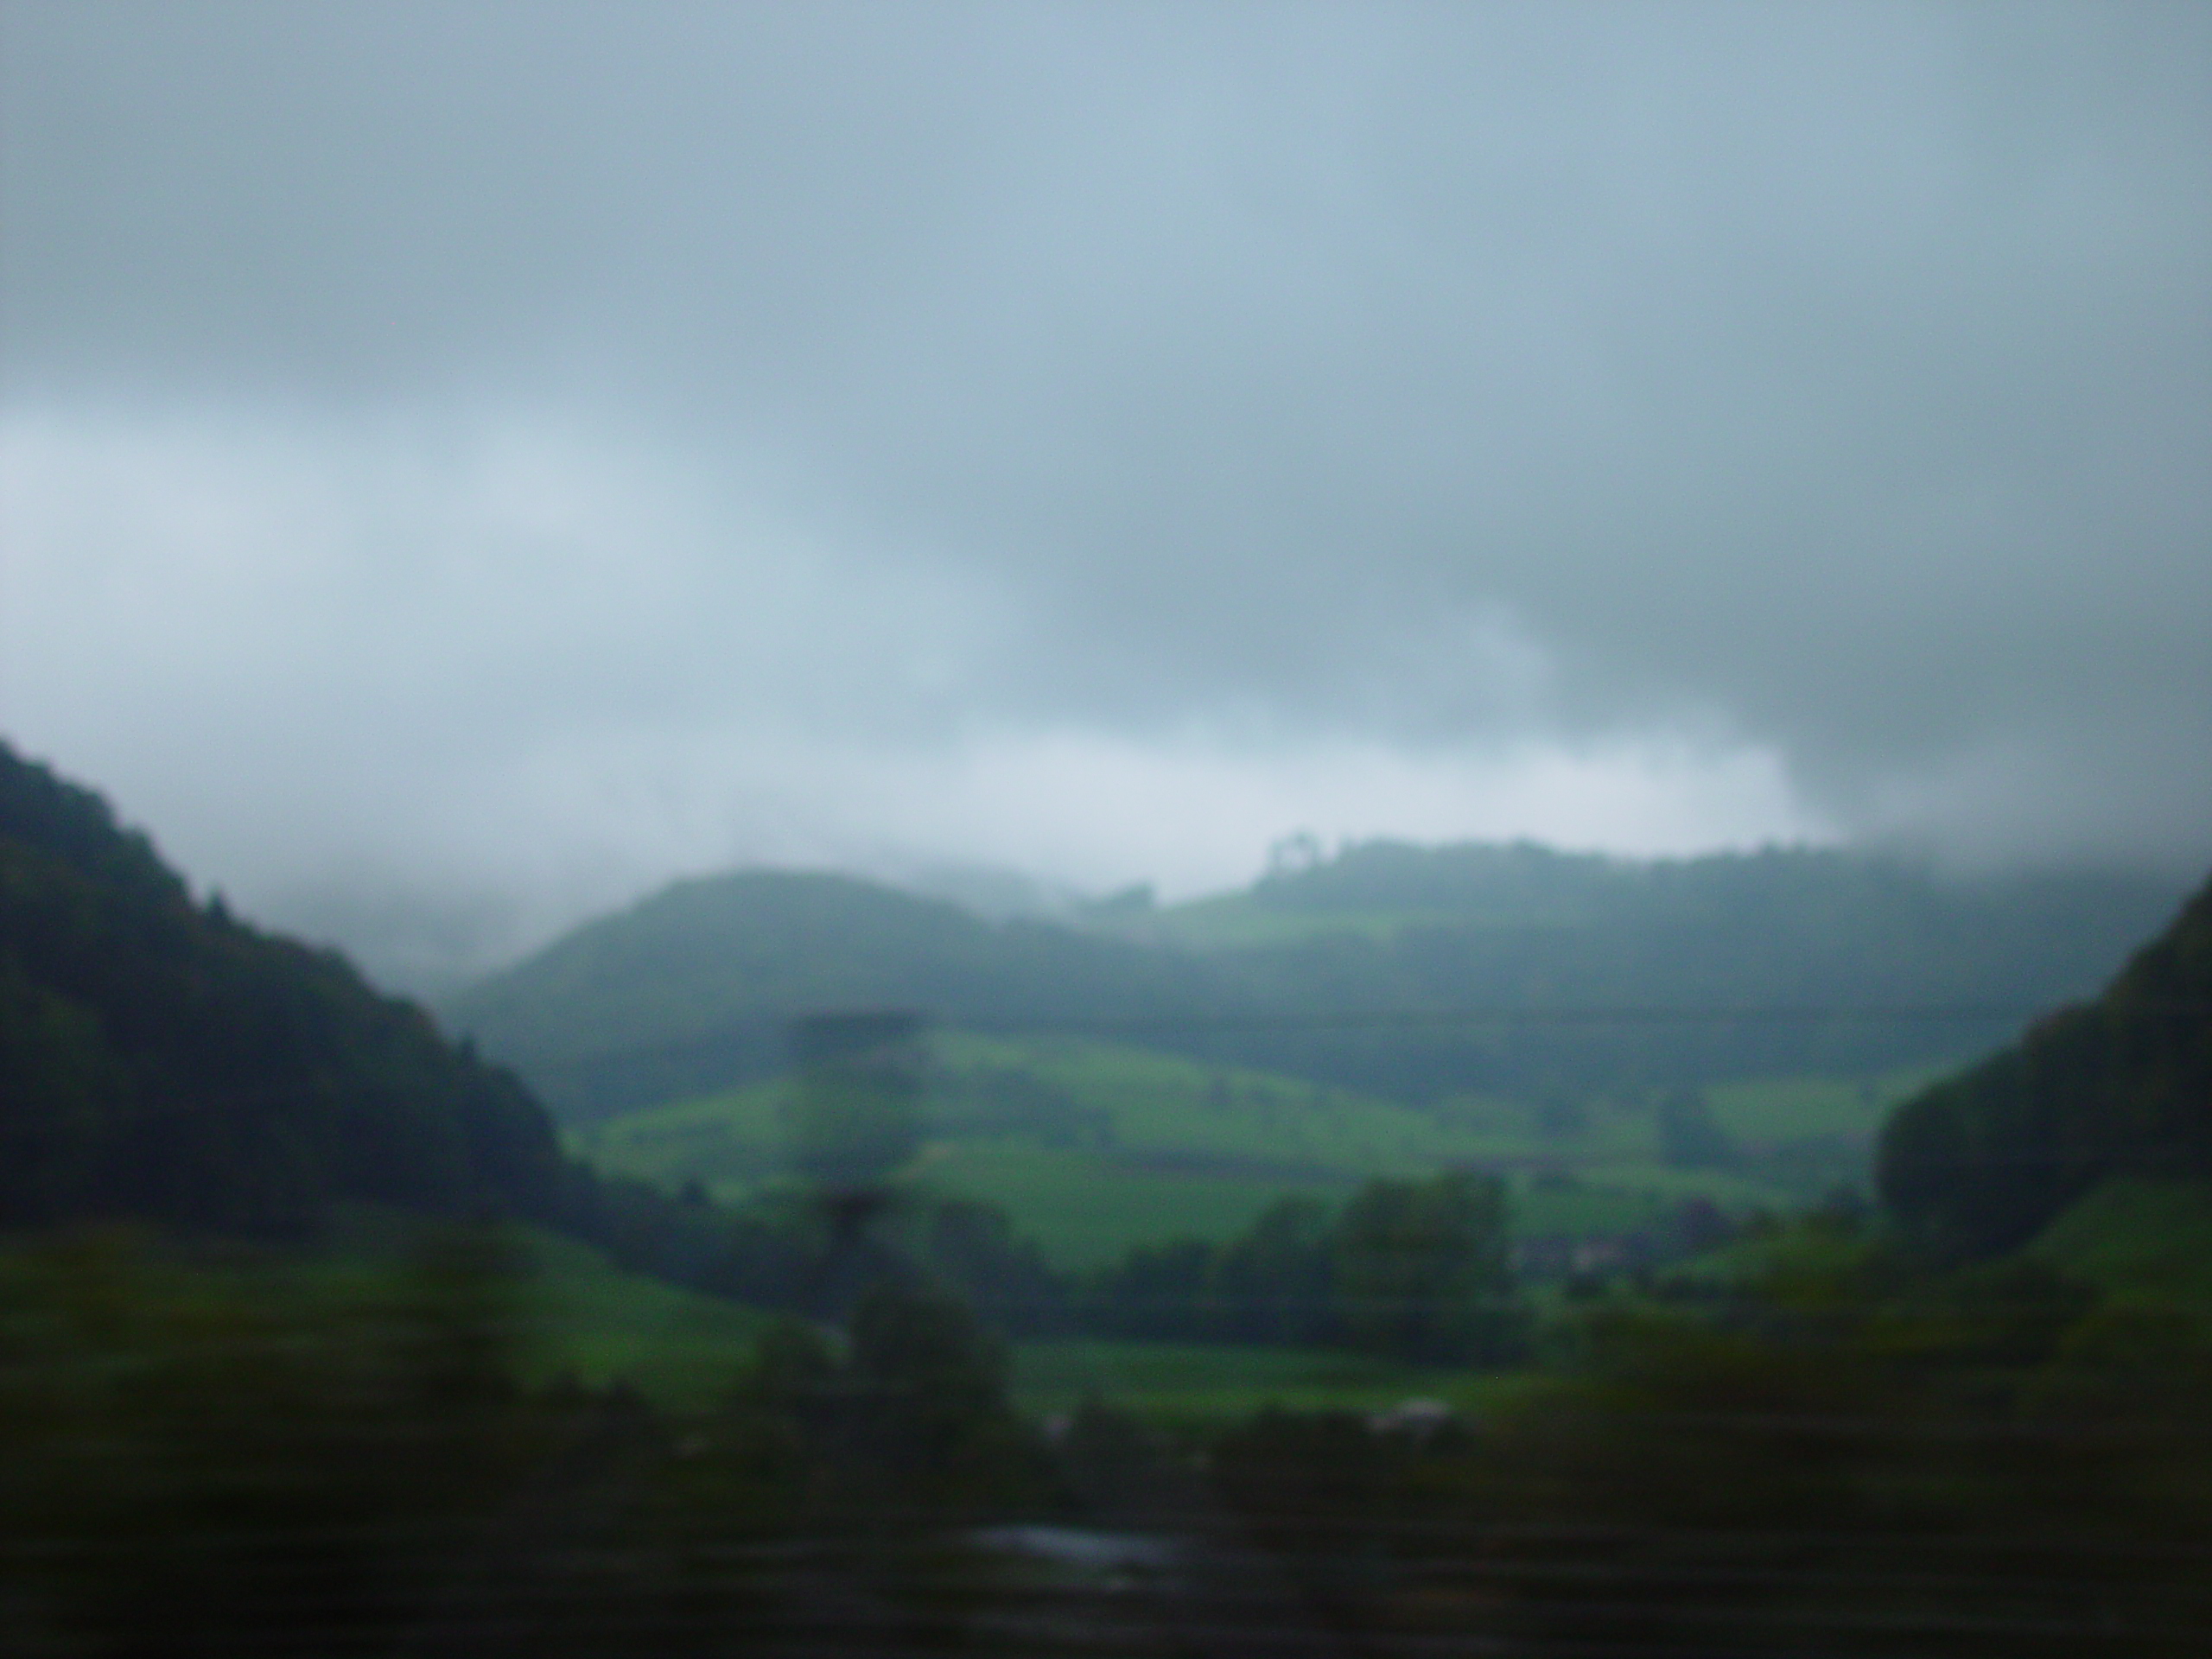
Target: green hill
x=689 y=990
x=1817 y=948
x=685 y=994
x=2119 y=1086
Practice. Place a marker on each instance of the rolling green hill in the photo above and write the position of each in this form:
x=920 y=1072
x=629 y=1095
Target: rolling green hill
x=1701 y=971
x=690 y=991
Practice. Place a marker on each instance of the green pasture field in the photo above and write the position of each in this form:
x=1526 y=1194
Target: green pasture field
x=1150 y=1103
x=1196 y=1385
x=1162 y=1103
x=730 y=1143
x=1095 y=1146
x=585 y=1319
x=1768 y=1112
x=566 y=1312
x=1086 y=1211
x=572 y=1313
x=2140 y=1239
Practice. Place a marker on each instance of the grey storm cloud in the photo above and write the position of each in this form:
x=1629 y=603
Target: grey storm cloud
x=1833 y=380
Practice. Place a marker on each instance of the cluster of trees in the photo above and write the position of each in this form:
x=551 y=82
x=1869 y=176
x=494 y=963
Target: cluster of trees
x=1416 y=1270
x=164 y=1060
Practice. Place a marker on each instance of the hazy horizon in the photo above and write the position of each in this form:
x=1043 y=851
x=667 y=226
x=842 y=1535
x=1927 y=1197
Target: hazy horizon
x=464 y=465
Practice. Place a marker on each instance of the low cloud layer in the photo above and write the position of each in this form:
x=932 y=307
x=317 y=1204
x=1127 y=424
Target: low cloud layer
x=462 y=464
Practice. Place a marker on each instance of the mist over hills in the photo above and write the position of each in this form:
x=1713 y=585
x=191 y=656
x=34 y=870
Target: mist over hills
x=691 y=989
x=1727 y=965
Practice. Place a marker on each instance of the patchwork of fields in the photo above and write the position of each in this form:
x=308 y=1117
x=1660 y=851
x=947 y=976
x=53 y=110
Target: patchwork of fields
x=1093 y=1147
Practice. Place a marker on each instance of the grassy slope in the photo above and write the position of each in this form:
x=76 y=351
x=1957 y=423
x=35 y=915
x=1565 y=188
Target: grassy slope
x=1170 y=1146
x=575 y=1314
x=597 y=1323
x=2138 y=1239
x=1768 y=1110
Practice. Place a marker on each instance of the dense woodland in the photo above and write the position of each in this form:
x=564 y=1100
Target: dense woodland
x=165 y=1061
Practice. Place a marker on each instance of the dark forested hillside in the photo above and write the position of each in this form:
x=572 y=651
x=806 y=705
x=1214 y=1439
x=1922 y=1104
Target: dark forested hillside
x=1832 y=962
x=161 y=1059
x=2120 y=1086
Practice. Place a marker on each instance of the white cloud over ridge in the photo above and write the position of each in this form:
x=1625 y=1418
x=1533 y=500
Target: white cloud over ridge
x=460 y=469
x=507 y=677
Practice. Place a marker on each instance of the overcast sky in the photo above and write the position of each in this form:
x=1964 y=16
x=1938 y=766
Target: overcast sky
x=463 y=464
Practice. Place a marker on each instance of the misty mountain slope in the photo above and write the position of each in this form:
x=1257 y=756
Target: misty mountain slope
x=684 y=994
x=1820 y=949
x=2121 y=1086
x=689 y=990
x=1876 y=918
x=160 y=1059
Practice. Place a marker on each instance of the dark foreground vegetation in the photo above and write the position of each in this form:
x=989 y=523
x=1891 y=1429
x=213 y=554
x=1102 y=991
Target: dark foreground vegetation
x=1833 y=1452
x=189 y=1465
x=1921 y=1429
x=1839 y=1455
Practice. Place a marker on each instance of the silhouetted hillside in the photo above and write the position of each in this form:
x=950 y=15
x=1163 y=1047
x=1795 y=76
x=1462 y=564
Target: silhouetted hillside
x=2121 y=1086
x=159 y=1059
